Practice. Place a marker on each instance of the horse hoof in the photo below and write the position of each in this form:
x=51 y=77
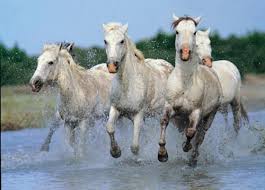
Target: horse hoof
x=186 y=147
x=162 y=157
x=192 y=163
x=115 y=152
x=135 y=150
x=44 y=148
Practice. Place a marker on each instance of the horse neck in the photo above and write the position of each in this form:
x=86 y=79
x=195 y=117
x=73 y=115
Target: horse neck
x=188 y=69
x=69 y=81
x=130 y=65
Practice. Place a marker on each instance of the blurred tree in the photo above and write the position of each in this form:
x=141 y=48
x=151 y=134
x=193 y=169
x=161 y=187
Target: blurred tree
x=246 y=52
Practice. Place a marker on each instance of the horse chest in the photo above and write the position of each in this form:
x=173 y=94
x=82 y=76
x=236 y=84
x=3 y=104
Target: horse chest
x=186 y=98
x=127 y=99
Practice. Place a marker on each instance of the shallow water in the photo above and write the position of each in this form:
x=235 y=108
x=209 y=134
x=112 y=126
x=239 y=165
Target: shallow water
x=226 y=161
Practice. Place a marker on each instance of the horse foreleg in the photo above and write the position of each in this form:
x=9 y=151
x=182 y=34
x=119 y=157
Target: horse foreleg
x=46 y=144
x=162 y=152
x=53 y=128
x=83 y=129
x=70 y=127
x=115 y=150
x=194 y=119
x=203 y=126
x=137 y=123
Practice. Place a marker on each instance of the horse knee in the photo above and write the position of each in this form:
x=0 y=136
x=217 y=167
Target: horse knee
x=110 y=128
x=164 y=121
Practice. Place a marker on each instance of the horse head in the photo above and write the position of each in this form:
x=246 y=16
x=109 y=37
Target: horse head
x=115 y=44
x=203 y=45
x=48 y=65
x=185 y=28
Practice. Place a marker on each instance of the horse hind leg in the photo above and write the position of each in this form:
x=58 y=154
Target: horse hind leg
x=224 y=111
x=203 y=126
x=236 y=109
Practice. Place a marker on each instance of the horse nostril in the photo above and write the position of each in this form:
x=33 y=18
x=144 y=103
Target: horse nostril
x=36 y=82
x=116 y=62
x=181 y=51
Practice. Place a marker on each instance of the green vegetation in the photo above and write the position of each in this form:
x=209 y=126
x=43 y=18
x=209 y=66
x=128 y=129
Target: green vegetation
x=247 y=52
x=20 y=108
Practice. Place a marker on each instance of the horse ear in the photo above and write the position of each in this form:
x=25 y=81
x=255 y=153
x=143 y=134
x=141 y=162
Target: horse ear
x=70 y=47
x=197 y=19
x=61 y=46
x=208 y=31
x=124 y=28
x=104 y=26
x=174 y=17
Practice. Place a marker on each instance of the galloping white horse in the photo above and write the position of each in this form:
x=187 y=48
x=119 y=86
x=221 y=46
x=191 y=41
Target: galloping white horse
x=84 y=94
x=229 y=78
x=138 y=86
x=193 y=91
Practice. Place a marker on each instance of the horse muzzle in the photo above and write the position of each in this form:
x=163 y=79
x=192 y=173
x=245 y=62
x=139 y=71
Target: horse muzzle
x=208 y=61
x=185 y=53
x=112 y=67
x=36 y=85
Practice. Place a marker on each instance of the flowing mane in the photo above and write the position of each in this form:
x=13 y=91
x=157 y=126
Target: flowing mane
x=176 y=22
x=138 y=53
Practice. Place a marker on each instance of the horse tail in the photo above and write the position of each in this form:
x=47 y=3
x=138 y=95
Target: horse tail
x=243 y=111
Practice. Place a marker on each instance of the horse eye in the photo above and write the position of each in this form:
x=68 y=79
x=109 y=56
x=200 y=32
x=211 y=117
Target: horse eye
x=105 y=42
x=122 y=42
x=177 y=32
x=194 y=33
x=50 y=63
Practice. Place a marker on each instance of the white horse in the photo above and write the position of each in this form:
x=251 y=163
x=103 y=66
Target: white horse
x=229 y=78
x=84 y=94
x=193 y=91
x=56 y=121
x=138 y=86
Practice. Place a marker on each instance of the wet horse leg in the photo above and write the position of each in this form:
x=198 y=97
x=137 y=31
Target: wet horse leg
x=203 y=126
x=115 y=150
x=53 y=128
x=235 y=105
x=83 y=130
x=162 y=152
x=137 y=123
x=46 y=144
x=224 y=111
x=70 y=127
x=194 y=119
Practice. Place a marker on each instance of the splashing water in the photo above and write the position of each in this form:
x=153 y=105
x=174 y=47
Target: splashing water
x=223 y=155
